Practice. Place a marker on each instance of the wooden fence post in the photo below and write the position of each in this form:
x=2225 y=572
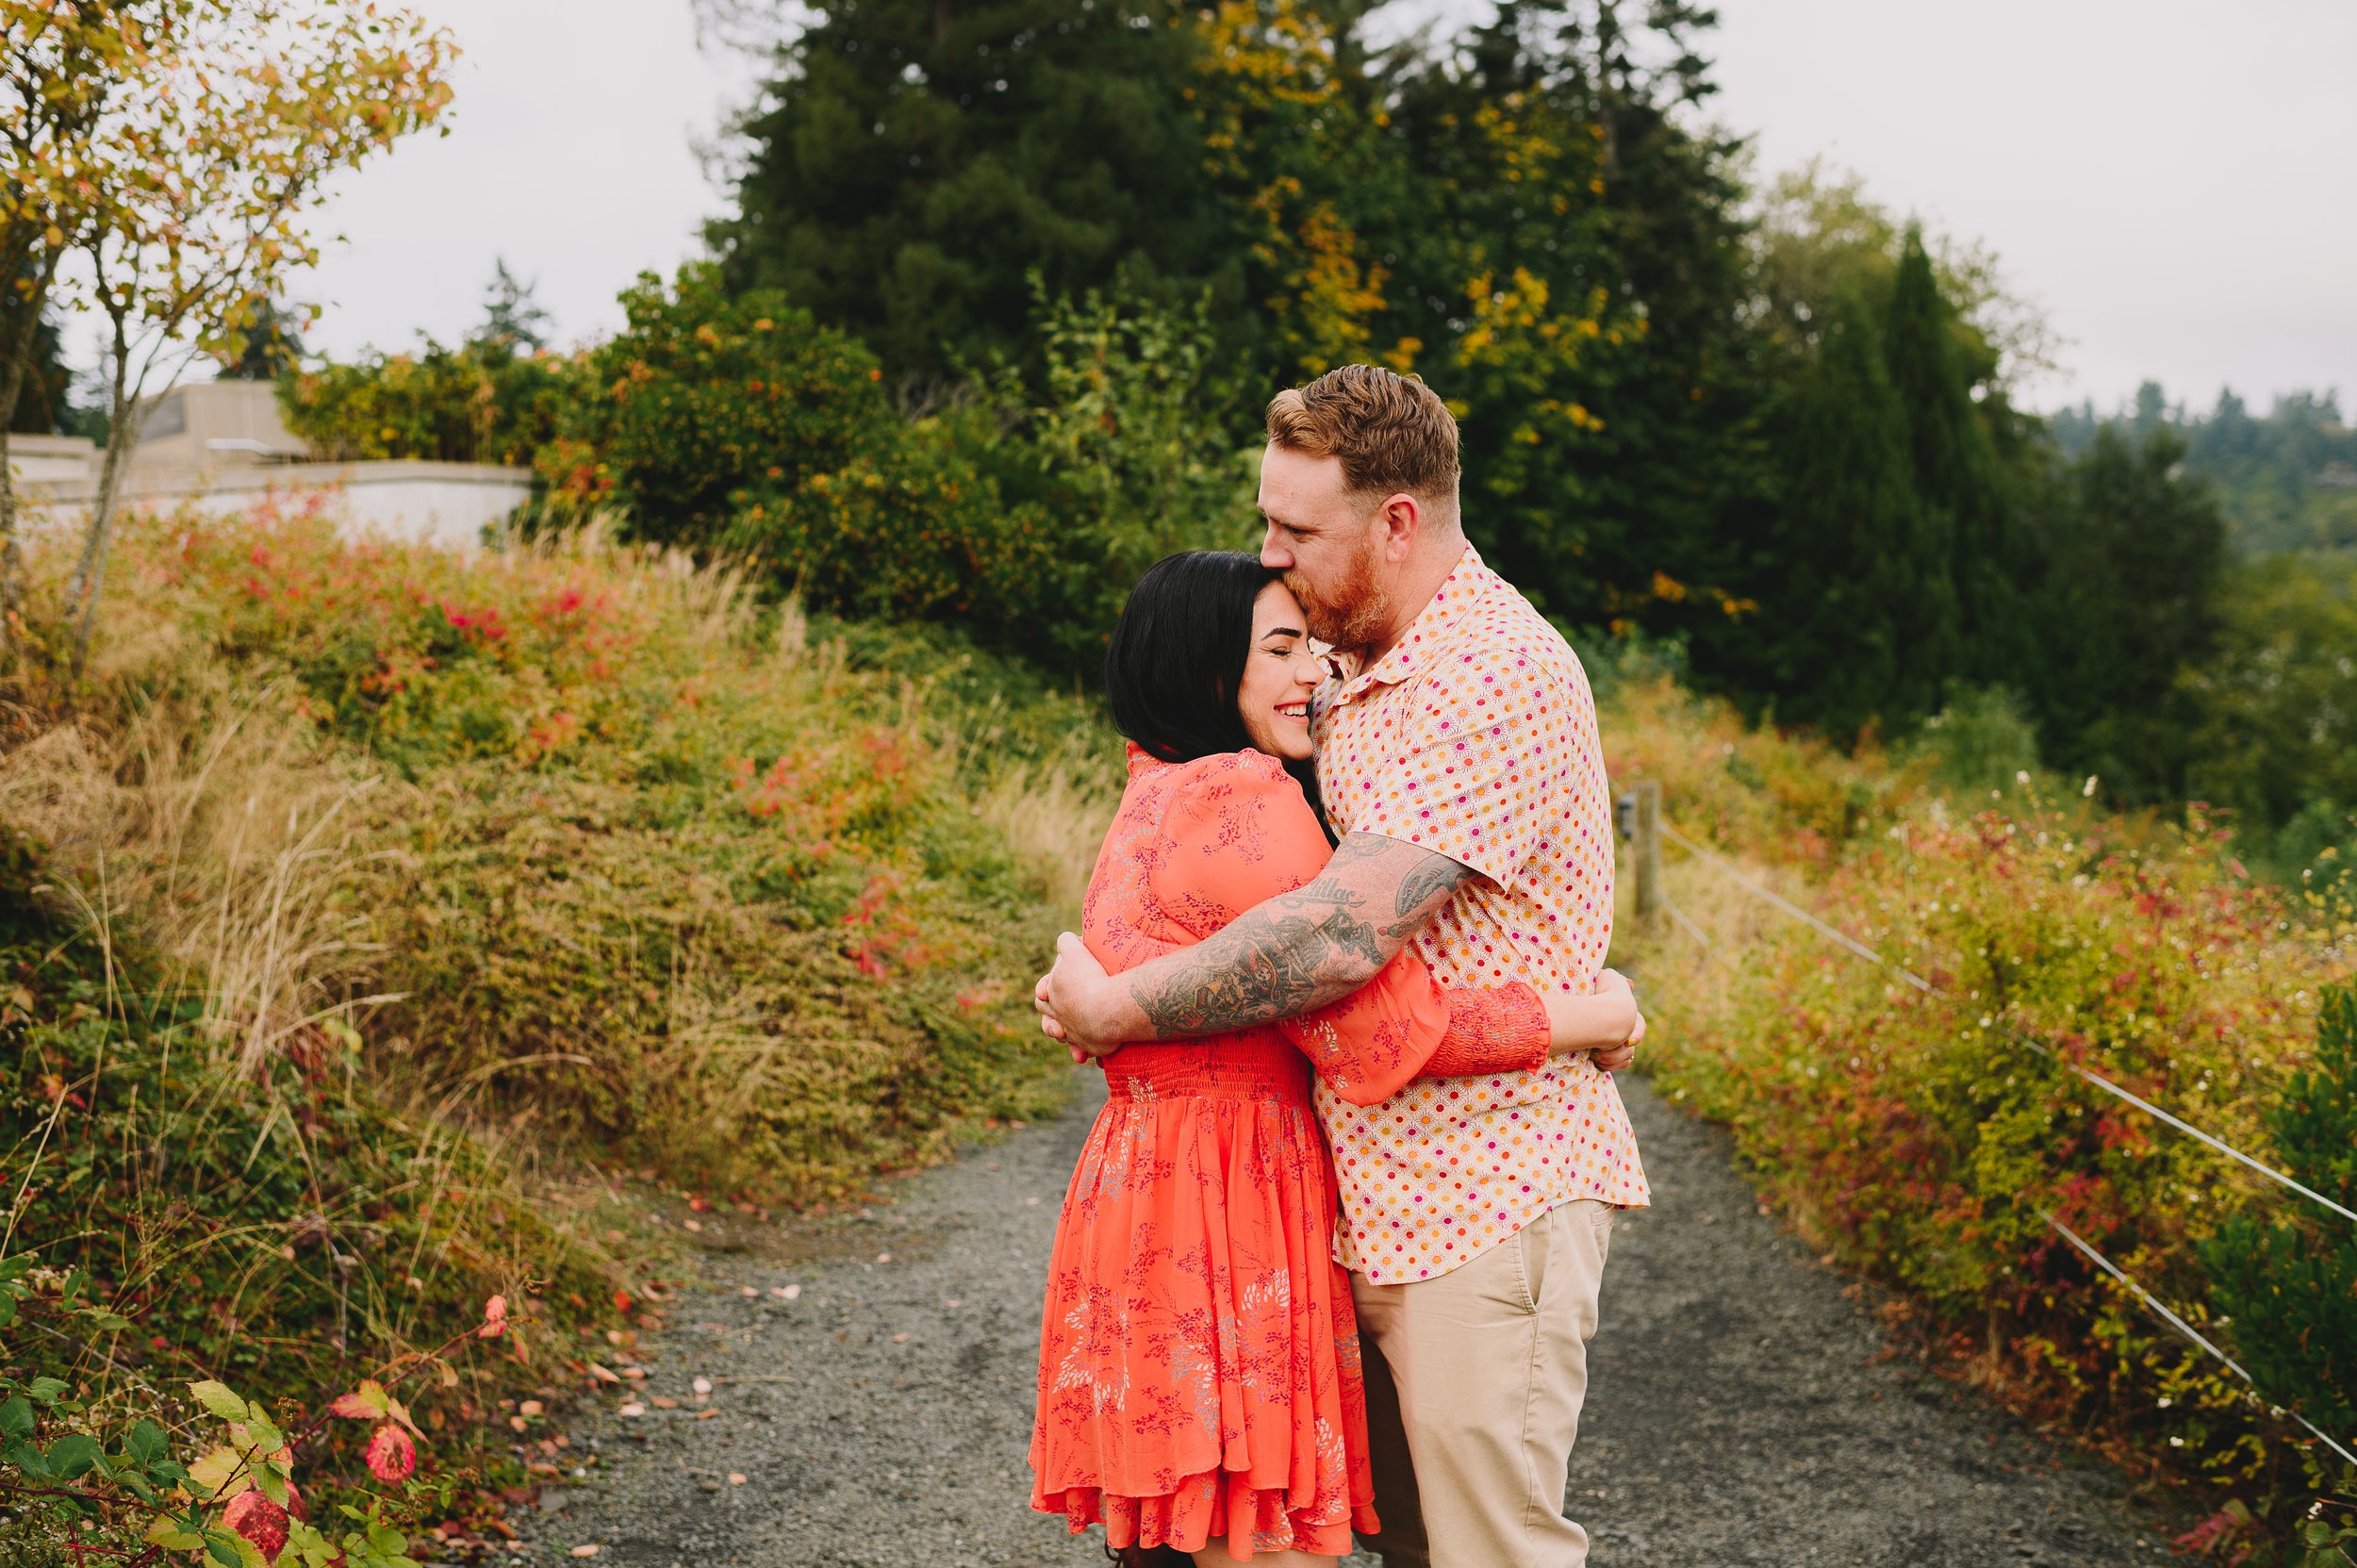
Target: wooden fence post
x=1645 y=849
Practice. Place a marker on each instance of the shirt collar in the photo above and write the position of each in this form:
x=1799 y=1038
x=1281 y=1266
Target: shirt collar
x=1431 y=627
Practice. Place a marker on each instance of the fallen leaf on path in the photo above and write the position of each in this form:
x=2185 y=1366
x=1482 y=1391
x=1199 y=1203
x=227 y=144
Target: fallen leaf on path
x=634 y=1407
x=585 y=1551
x=601 y=1374
x=702 y=1386
x=735 y=1478
x=899 y=1339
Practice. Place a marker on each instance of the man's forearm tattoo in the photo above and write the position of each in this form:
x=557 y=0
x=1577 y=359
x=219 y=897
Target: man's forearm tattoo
x=1269 y=965
x=1431 y=883
x=1297 y=952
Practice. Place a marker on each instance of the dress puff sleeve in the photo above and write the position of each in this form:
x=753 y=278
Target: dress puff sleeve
x=1238 y=834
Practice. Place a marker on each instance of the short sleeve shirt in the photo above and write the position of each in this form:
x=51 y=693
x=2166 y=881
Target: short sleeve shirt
x=1475 y=736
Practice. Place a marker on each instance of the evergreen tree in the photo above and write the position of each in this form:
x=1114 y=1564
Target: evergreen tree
x=1569 y=255
x=43 y=406
x=2130 y=599
x=1966 y=508
x=920 y=158
x=1858 y=608
x=510 y=313
x=268 y=347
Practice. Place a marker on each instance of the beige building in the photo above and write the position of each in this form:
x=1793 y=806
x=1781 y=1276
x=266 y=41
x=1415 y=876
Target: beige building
x=220 y=446
x=215 y=425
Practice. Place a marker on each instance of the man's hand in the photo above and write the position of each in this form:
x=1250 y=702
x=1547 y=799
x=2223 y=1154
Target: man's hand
x=1620 y=1056
x=1605 y=1021
x=1073 y=996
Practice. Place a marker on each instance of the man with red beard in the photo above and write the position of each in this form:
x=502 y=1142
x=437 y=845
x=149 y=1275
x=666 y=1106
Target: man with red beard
x=1458 y=762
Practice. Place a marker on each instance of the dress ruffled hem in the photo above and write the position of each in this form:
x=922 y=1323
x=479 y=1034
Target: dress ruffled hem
x=1214 y=1506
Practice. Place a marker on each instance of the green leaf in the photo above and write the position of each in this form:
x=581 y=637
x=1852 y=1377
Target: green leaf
x=222 y=1550
x=216 y=1398
x=11 y=1268
x=210 y=1476
x=46 y=1389
x=73 y=1454
x=171 y=1534
x=8 y=1309
x=136 y=1486
x=16 y=1417
x=27 y=1459
x=274 y=1485
x=146 y=1442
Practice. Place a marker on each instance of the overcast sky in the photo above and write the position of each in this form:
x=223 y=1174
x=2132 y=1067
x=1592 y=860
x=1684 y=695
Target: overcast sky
x=2174 y=184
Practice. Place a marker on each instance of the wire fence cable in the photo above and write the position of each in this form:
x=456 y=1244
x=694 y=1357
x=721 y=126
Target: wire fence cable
x=2161 y=1310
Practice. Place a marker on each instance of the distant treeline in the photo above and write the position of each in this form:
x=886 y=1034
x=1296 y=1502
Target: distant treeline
x=2286 y=479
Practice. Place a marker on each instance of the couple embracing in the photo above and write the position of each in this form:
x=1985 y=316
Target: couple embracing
x=1346 y=938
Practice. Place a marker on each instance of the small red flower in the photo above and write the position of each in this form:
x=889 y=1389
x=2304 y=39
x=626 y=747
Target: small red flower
x=392 y=1454
x=261 y=1521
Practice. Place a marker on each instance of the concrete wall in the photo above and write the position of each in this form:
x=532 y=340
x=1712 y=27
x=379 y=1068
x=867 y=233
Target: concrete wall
x=444 y=504
x=47 y=459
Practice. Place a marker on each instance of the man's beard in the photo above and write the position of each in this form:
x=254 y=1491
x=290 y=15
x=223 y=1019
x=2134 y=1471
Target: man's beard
x=1358 y=614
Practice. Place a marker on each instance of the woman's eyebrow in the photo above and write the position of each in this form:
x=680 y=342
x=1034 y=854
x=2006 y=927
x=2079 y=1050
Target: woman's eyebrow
x=1280 y=632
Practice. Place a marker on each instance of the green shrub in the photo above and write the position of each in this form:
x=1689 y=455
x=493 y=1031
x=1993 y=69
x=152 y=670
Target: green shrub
x=705 y=398
x=195 y=1221
x=481 y=402
x=651 y=867
x=2286 y=1283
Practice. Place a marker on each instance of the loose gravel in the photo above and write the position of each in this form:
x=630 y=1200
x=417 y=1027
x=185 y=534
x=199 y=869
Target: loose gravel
x=1740 y=1409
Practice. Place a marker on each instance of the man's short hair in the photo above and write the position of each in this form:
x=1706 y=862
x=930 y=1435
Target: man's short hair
x=1391 y=432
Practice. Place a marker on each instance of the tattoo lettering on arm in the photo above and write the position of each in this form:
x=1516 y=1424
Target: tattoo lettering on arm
x=1299 y=950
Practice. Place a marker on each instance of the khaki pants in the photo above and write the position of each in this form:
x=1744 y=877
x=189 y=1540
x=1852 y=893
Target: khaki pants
x=1474 y=1402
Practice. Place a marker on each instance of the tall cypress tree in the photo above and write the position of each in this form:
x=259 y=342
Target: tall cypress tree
x=1966 y=509
x=1859 y=605
x=921 y=157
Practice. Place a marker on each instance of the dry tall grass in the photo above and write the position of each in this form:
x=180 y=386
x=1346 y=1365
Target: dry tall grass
x=218 y=825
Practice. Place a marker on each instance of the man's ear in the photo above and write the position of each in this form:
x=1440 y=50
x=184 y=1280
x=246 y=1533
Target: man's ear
x=1398 y=522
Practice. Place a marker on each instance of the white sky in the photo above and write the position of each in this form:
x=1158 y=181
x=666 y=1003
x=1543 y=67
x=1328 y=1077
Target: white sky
x=2170 y=181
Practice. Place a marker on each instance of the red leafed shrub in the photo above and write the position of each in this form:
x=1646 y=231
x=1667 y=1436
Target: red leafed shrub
x=1926 y=1134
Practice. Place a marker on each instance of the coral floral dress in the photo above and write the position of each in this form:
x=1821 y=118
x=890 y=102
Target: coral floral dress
x=1199 y=1374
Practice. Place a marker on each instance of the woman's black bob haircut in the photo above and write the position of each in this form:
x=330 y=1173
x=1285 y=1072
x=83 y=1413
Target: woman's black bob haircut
x=1179 y=651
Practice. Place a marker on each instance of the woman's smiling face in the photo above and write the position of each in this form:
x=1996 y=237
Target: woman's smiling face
x=1279 y=673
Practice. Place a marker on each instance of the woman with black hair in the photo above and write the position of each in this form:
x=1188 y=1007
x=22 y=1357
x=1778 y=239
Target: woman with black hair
x=1200 y=1385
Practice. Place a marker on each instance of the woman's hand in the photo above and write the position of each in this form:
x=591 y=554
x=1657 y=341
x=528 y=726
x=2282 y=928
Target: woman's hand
x=1605 y=1021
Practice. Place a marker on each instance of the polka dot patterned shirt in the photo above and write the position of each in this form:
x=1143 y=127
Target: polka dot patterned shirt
x=1475 y=736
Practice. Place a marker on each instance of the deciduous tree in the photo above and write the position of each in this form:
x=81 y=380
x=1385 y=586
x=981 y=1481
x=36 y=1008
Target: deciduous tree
x=200 y=188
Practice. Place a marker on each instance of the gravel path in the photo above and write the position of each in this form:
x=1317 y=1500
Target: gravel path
x=1739 y=1413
